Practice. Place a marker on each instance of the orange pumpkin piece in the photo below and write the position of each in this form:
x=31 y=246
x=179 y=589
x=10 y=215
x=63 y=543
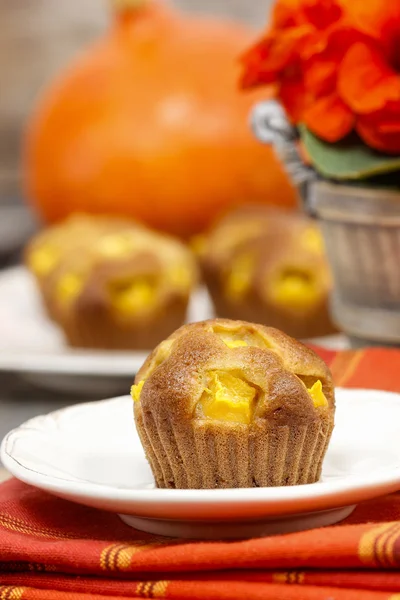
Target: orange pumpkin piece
x=149 y=123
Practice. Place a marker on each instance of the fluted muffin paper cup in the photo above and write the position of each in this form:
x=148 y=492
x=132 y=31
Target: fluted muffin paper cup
x=95 y=326
x=211 y=455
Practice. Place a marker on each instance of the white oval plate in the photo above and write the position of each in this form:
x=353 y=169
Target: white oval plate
x=91 y=454
x=29 y=341
x=31 y=345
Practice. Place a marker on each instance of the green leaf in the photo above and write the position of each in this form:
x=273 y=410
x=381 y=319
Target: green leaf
x=348 y=160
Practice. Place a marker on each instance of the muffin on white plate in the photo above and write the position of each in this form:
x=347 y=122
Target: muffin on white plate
x=119 y=287
x=227 y=404
x=269 y=266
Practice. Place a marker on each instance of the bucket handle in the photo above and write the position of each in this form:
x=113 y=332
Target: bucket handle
x=271 y=126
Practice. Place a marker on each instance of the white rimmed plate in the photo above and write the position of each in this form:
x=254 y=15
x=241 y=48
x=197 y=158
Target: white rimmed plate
x=32 y=346
x=91 y=454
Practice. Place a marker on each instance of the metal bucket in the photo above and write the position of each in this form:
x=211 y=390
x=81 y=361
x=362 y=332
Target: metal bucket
x=361 y=229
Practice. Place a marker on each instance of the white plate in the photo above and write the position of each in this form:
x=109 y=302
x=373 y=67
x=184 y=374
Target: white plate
x=31 y=345
x=91 y=454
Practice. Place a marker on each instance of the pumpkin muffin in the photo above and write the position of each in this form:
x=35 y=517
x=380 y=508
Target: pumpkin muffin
x=124 y=287
x=227 y=404
x=269 y=266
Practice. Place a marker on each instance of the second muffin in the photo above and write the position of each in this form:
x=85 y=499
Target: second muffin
x=117 y=285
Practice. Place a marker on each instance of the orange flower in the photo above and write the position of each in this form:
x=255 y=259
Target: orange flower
x=381 y=129
x=336 y=66
x=340 y=121
x=299 y=30
x=366 y=82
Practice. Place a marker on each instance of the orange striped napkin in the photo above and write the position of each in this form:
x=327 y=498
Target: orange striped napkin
x=51 y=549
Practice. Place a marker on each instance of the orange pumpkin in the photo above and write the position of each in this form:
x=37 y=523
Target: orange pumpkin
x=150 y=123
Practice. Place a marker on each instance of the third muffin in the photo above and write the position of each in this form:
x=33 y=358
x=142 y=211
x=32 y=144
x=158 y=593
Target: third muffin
x=270 y=267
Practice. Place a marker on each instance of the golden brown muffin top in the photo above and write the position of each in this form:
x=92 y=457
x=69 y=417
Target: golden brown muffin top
x=283 y=273
x=249 y=223
x=111 y=262
x=50 y=246
x=274 y=256
x=234 y=372
x=233 y=229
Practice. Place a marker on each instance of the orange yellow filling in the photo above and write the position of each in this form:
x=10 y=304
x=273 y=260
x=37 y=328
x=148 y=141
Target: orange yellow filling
x=239 y=337
x=227 y=398
x=240 y=276
x=317 y=395
x=136 y=391
x=132 y=296
x=68 y=287
x=312 y=240
x=115 y=245
x=43 y=260
x=235 y=343
x=294 y=288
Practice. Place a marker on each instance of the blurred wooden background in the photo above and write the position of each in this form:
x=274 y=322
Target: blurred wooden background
x=37 y=37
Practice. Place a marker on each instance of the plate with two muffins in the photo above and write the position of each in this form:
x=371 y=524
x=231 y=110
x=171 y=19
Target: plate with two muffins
x=97 y=294
x=231 y=430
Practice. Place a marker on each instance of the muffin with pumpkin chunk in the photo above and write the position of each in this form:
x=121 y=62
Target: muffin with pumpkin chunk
x=269 y=266
x=124 y=288
x=226 y=404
